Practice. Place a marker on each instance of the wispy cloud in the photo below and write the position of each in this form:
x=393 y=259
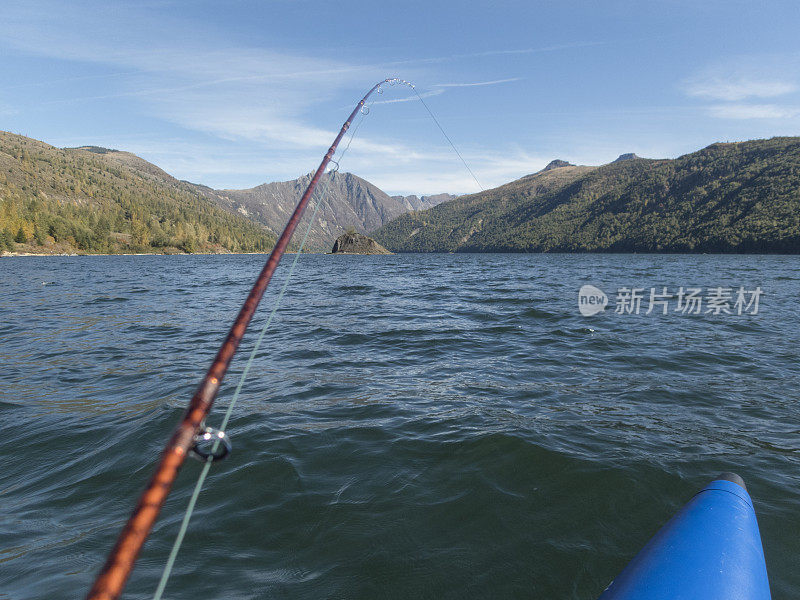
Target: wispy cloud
x=740 y=88
x=448 y=175
x=753 y=111
x=742 y=77
x=246 y=109
x=498 y=52
x=411 y=98
x=753 y=78
x=440 y=88
x=478 y=83
x=541 y=49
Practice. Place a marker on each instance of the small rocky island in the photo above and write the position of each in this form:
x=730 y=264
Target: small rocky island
x=356 y=243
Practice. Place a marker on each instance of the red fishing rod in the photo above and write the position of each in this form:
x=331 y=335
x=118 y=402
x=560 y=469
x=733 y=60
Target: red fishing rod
x=117 y=568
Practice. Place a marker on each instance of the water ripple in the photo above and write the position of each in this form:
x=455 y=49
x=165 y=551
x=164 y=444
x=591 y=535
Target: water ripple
x=414 y=426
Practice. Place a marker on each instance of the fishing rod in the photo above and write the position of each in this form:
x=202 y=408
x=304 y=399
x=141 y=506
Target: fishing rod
x=190 y=431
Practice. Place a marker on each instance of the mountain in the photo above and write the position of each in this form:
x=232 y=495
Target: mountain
x=731 y=197
x=424 y=202
x=348 y=201
x=94 y=199
x=557 y=164
x=451 y=225
x=628 y=156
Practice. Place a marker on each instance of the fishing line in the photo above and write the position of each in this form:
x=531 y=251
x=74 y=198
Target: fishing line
x=447 y=137
x=165 y=575
x=397 y=81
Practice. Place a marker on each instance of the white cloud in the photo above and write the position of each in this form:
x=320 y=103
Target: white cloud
x=752 y=77
x=442 y=171
x=254 y=107
x=479 y=83
x=553 y=48
x=440 y=89
x=410 y=98
x=718 y=88
x=746 y=76
x=753 y=111
x=433 y=171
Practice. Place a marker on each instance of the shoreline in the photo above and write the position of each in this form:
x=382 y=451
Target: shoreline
x=6 y=254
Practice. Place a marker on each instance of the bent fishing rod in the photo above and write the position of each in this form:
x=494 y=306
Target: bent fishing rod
x=119 y=564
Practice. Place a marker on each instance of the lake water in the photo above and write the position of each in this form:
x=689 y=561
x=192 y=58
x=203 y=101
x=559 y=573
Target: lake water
x=414 y=426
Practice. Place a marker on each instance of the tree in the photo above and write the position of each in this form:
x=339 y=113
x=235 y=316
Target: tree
x=189 y=245
x=39 y=236
x=6 y=240
x=21 y=238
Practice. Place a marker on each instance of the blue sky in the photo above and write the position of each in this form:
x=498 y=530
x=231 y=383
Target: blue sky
x=236 y=93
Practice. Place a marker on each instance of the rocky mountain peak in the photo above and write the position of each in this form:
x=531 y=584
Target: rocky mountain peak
x=557 y=164
x=628 y=156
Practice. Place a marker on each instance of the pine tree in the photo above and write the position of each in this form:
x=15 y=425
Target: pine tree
x=6 y=240
x=21 y=238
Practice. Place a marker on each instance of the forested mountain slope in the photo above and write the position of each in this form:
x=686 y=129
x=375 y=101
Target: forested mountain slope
x=731 y=197
x=92 y=199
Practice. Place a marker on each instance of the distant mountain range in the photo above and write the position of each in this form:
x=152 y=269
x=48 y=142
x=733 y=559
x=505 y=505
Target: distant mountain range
x=94 y=199
x=731 y=197
x=348 y=202
x=728 y=197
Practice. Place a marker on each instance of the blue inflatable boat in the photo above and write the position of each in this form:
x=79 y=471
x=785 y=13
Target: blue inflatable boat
x=710 y=550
